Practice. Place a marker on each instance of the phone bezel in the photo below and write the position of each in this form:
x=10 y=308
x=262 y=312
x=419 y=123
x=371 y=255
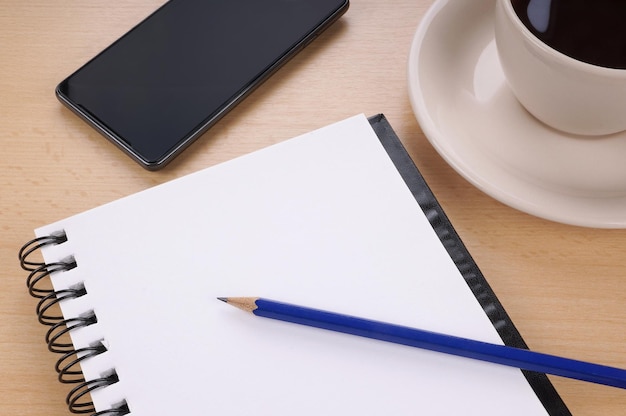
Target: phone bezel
x=213 y=116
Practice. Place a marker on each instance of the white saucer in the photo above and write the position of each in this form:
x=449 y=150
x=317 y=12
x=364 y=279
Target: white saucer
x=465 y=108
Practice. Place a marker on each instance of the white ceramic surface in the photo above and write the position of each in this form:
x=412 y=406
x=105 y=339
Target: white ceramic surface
x=467 y=111
x=567 y=94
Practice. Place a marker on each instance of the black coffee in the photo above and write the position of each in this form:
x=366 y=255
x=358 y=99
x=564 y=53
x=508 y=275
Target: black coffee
x=592 y=31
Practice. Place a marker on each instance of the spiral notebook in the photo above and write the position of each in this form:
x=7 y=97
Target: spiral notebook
x=337 y=219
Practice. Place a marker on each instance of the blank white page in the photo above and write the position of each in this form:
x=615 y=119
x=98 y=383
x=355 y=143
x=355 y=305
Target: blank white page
x=322 y=220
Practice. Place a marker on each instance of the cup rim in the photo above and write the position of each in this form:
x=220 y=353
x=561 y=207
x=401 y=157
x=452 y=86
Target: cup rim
x=555 y=54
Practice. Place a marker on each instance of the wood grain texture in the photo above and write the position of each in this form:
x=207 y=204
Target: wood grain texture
x=564 y=286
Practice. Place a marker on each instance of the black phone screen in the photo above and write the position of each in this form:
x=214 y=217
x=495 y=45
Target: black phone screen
x=167 y=80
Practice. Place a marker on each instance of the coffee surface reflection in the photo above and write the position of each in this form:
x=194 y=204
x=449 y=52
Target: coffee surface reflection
x=592 y=31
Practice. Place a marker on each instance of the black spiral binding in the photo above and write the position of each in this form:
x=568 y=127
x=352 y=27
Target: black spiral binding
x=68 y=366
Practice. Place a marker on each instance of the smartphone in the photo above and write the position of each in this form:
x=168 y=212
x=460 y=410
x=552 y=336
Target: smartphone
x=165 y=82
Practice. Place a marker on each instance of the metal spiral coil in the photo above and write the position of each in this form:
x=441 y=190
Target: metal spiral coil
x=37 y=275
x=36 y=244
x=75 y=398
x=69 y=370
x=53 y=299
x=68 y=366
x=57 y=331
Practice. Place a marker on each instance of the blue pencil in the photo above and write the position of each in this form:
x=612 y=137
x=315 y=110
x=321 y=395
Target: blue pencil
x=499 y=354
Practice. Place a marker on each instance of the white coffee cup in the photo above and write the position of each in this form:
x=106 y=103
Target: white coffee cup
x=565 y=93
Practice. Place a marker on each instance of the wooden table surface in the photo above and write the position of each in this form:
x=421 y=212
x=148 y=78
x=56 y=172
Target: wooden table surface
x=564 y=286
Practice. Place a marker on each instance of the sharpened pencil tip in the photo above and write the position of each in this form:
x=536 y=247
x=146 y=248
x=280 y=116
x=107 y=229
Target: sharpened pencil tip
x=245 y=303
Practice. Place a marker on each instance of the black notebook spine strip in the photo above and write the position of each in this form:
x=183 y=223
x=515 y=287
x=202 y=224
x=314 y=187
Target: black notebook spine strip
x=68 y=365
x=464 y=262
